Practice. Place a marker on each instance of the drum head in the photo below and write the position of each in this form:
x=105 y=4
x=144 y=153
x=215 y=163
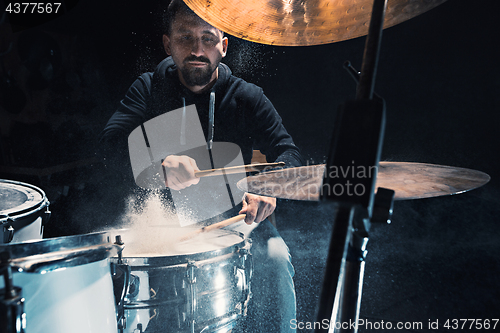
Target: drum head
x=162 y=245
x=17 y=198
x=40 y=256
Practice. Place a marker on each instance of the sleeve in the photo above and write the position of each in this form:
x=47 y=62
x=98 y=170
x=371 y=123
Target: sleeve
x=271 y=137
x=113 y=140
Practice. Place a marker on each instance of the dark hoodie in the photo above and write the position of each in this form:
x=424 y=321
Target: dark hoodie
x=243 y=115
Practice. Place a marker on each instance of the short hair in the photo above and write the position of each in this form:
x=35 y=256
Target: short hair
x=175 y=7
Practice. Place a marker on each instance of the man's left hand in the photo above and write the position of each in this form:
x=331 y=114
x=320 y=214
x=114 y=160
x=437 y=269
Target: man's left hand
x=257 y=208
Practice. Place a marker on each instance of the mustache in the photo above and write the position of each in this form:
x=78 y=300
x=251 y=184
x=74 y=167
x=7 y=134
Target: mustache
x=199 y=59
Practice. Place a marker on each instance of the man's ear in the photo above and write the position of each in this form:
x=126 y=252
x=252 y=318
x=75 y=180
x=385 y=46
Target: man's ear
x=166 y=44
x=224 y=46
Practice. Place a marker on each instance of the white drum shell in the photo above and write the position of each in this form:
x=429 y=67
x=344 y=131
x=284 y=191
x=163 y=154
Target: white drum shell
x=65 y=282
x=32 y=231
x=73 y=299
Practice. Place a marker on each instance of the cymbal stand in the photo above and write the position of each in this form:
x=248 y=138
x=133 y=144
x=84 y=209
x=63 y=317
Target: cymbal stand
x=355 y=146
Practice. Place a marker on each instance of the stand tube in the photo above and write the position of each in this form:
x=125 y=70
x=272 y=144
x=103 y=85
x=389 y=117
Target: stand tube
x=334 y=271
x=372 y=50
x=357 y=138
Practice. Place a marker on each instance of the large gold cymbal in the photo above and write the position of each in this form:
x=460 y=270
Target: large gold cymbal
x=408 y=180
x=302 y=22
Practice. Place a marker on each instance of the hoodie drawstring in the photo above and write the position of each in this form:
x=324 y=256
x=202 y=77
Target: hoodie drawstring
x=183 y=122
x=211 y=115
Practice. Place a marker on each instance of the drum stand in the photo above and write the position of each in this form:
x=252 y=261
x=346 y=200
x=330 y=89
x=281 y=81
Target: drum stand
x=12 y=316
x=356 y=143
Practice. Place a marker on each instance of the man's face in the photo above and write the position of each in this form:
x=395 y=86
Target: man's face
x=196 y=48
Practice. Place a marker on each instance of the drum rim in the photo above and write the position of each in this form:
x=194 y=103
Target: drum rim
x=28 y=207
x=181 y=259
x=93 y=246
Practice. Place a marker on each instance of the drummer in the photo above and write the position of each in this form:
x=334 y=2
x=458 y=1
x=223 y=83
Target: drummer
x=191 y=72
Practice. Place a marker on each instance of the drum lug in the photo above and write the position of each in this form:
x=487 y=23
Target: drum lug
x=191 y=294
x=118 y=270
x=8 y=233
x=244 y=253
x=133 y=288
x=121 y=244
x=245 y=260
x=191 y=278
x=45 y=218
x=245 y=265
x=8 y=229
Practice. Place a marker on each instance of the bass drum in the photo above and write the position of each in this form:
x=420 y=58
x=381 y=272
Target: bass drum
x=59 y=285
x=200 y=285
x=24 y=210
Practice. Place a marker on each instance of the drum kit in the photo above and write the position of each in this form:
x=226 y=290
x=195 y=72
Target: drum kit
x=94 y=283
x=203 y=284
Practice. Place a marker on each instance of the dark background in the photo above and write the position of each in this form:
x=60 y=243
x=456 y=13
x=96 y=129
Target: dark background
x=438 y=73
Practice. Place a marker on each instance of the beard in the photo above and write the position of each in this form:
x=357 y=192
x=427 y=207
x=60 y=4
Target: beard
x=199 y=76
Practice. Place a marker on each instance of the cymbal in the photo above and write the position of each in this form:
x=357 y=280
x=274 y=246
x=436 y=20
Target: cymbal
x=408 y=180
x=302 y=22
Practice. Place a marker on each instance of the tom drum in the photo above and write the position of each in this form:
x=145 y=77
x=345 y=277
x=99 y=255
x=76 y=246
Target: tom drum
x=23 y=211
x=60 y=285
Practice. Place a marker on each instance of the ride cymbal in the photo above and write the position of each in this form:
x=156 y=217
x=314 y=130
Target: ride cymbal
x=408 y=180
x=302 y=22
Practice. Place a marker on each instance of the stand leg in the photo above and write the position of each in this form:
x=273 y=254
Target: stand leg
x=349 y=302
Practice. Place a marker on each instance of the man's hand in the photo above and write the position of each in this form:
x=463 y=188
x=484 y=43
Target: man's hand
x=179 y=172
x=257 y=207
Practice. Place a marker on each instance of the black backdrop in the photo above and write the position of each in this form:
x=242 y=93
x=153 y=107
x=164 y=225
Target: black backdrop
x=440 y=78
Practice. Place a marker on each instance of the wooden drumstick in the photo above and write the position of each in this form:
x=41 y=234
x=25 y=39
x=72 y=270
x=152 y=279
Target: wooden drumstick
x=257 y=167
x=238 y=169
x=214 y=226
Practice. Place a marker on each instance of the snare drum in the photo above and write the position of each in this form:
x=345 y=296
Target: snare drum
x=24 y=210
x=202 y=285
x=65 y=283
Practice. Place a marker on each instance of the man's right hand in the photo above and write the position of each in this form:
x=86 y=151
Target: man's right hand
x=179 y=171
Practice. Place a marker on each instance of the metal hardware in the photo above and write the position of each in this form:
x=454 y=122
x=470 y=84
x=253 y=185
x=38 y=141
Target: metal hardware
x=8 y=234
x=383 y=206
x=359 y=142
x=191 y=292
x=12 y=316
x=118 y=271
